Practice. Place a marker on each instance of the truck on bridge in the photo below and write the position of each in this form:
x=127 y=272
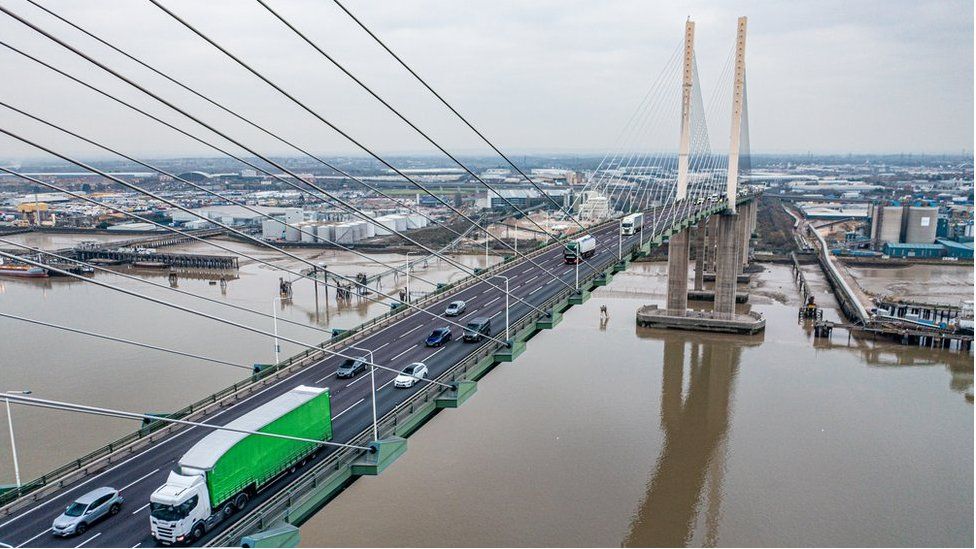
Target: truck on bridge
x=225 y=469
x=579 y=249
x=631 y=224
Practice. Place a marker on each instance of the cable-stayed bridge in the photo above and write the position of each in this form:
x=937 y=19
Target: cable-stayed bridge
x=665 y=195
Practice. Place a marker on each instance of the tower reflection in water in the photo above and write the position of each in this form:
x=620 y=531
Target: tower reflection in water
x=697 y=390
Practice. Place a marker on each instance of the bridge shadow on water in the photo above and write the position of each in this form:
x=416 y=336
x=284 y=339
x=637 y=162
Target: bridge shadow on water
x=697 y=393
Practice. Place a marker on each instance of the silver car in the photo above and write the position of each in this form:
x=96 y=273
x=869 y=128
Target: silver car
x=91 y=507
x=456 y=308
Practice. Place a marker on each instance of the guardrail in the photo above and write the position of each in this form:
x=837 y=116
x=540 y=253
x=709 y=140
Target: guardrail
x=303 y=489
x=101 y=458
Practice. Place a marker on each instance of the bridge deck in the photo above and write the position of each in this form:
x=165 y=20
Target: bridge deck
x=397 y=344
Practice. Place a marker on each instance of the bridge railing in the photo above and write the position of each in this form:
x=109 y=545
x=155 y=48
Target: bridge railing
x=120 y=448
x=302 y=491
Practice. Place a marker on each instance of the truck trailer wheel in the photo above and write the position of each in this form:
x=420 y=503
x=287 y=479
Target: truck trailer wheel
x=240 y=502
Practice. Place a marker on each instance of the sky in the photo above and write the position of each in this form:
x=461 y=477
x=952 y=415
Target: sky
x=541 y=76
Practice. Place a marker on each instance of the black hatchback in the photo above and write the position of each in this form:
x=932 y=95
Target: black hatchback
x=351 y=367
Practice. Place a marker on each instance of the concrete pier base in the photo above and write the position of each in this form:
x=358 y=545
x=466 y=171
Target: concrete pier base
x=741 y=278
x=679 y=247
x=701 y=321
x=709 y=295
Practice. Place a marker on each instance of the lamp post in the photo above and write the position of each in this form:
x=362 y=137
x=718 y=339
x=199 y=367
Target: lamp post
x=506 y=305
x=274 y=315
x=620 y=240
x=13 y=443
x=406 y=270
x=372 y=381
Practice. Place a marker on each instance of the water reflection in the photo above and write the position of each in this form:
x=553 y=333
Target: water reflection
x=696 y=408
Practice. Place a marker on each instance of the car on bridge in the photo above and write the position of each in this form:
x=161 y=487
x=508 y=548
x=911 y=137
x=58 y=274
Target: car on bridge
x=86 y=510
x=477 y=329
x=409 y=376
x=351 y=367
x=438 y=337
x=456 y=308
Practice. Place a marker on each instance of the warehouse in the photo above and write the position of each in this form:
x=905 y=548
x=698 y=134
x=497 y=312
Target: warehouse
x=959 y=250
x=927 y=251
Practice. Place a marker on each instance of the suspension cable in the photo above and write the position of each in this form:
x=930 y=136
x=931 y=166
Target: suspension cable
x=317 y=348
x=351 y=208
x=122 y=340
x=109 y=412
x=398 y=202
x=338 y=130
x=216 y=245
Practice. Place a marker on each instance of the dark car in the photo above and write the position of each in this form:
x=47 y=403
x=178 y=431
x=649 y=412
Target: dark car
x=438 y=337
x=477 y=329
x=352 y=366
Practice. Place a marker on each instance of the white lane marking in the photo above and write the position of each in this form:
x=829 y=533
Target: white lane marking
x=89 y=539
x=431 y=355
x=405 y=352
x=412 y=330
x=537 y=289
x=355 y=381
x=385 y=384
x=531 y=279
x=143 y=477
x=136 y=545
x=488 y=290
x=140 y=509
x=492 y=301
x=347 y=409
x=326 y=377
x=35 y=537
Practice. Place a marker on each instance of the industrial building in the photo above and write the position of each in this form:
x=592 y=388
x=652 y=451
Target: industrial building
x=903 y=224
x=918 y=251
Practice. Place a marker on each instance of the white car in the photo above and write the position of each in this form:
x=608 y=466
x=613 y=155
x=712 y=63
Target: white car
x=455 y=308
x=409 y=376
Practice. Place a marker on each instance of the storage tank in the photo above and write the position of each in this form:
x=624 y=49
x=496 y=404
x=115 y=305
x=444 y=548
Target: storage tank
x=325 y=233
x=414 y=220
x=401 y=222
x=308 y=232
x=921 y=225
x=370 y=230
x=344 y=233
x=382 y=222
x=887 y=219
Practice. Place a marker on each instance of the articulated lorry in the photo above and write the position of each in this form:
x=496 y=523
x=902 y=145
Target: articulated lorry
x=579 y=249
x=225 y=469
x=631 y=224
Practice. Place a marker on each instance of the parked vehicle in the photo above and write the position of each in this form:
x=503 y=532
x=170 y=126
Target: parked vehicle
x=456 y=308
x=409 y=376
x=86 y=510
x=438 y=337
x=477 y=329
x=631 y=224
x=225 y=469
x=351 y=367
x=577 y=250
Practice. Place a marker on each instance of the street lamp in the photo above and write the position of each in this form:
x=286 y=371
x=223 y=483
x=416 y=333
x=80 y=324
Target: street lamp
x=274 y=315
x=10 y=425
x=407 y=272
x=506 y=305
x=372 y=381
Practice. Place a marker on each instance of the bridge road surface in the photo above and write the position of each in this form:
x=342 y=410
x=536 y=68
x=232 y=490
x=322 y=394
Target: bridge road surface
x=395 y=346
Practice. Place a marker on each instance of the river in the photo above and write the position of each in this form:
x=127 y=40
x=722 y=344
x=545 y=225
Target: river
x=598 y=435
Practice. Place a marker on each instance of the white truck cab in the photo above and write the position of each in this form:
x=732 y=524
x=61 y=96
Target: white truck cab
x=178 y=506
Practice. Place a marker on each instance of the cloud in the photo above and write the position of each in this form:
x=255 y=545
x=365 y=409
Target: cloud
x=535 y=76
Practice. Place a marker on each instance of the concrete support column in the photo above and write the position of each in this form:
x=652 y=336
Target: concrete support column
x=726 y=264
x=745 y=234
x=700 y=247
x=679 y=247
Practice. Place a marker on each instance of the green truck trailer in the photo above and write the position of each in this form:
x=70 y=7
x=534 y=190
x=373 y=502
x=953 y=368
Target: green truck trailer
x=224 y=470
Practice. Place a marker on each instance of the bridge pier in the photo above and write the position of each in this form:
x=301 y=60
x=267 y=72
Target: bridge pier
x=727 y=263
x=679 y=247
x=701 y=245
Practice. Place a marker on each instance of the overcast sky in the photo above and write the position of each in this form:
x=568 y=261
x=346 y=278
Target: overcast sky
x=554 y=76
